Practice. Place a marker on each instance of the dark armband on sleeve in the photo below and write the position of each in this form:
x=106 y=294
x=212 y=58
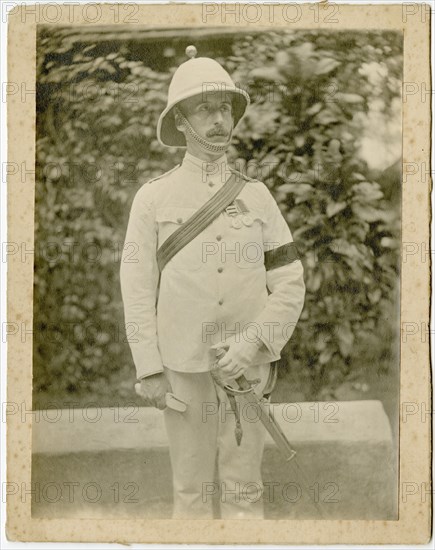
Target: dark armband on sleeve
x=283 y=255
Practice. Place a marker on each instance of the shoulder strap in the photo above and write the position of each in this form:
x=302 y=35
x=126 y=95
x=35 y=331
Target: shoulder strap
x=201 y=219
x=160 y=176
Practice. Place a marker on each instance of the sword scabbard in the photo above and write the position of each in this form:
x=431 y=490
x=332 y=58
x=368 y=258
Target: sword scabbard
x=267 y=419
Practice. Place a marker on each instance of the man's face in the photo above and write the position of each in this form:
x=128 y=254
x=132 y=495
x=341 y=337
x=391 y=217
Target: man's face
x=210 y=115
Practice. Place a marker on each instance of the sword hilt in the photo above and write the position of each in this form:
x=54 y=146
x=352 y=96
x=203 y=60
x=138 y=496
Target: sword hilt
x=244 y=384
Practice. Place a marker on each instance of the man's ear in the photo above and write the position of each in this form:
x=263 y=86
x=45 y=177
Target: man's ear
x=178 y=124
x=178 y=121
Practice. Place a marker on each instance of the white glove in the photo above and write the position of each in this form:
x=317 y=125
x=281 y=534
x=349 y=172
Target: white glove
x=239 y=356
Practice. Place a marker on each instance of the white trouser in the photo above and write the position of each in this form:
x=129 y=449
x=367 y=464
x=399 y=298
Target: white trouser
x=204 y=432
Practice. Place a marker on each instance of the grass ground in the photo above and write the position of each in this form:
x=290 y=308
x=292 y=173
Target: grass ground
x=349 y=481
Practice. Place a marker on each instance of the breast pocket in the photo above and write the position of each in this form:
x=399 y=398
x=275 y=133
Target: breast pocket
x=246 y=239
x=169 y=219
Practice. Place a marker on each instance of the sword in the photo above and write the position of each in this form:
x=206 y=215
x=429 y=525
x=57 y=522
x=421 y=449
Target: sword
x=246 y=390
x=266 y=417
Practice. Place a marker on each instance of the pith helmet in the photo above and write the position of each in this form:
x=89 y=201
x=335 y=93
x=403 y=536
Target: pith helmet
x=194 y=77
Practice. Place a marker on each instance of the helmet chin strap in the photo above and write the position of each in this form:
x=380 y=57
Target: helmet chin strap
x=204 y=144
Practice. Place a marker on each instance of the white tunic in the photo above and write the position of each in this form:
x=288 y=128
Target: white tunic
x=216 y=288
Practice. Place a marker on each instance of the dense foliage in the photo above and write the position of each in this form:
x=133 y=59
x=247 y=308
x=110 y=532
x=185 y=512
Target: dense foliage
x=98 y=105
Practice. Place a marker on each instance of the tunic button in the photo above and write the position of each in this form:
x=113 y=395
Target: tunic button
x=179 y=220
x=221 y=302
x=210 y=184
x=220 y=269
x=219 y=237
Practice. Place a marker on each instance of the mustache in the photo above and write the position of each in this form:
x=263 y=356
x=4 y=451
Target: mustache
x=218 y=131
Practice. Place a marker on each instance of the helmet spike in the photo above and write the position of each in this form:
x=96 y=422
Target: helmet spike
x=191 y=51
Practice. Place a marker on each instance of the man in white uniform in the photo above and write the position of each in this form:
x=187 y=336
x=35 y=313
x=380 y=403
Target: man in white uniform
x=236 y=287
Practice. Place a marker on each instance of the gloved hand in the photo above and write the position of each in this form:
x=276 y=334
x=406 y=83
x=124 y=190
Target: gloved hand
x=153 y=389
x=238 y=358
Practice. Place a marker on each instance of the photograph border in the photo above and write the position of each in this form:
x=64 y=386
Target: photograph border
x=415 y=513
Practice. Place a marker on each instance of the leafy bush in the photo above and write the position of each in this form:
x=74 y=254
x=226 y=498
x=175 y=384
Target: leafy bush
x=98 y=105
x=306 y=143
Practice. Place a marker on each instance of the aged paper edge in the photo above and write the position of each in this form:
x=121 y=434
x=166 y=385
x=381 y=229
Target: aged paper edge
x=414 y=523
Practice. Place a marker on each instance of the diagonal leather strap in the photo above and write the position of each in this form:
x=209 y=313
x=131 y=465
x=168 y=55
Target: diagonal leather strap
x=201 y=219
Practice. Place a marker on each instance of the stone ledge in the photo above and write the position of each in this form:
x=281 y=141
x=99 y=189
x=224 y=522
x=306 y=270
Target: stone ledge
x=99 y=429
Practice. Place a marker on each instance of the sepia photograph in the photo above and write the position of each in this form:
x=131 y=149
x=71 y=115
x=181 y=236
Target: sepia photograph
x=218 y=223
x=224 y=301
